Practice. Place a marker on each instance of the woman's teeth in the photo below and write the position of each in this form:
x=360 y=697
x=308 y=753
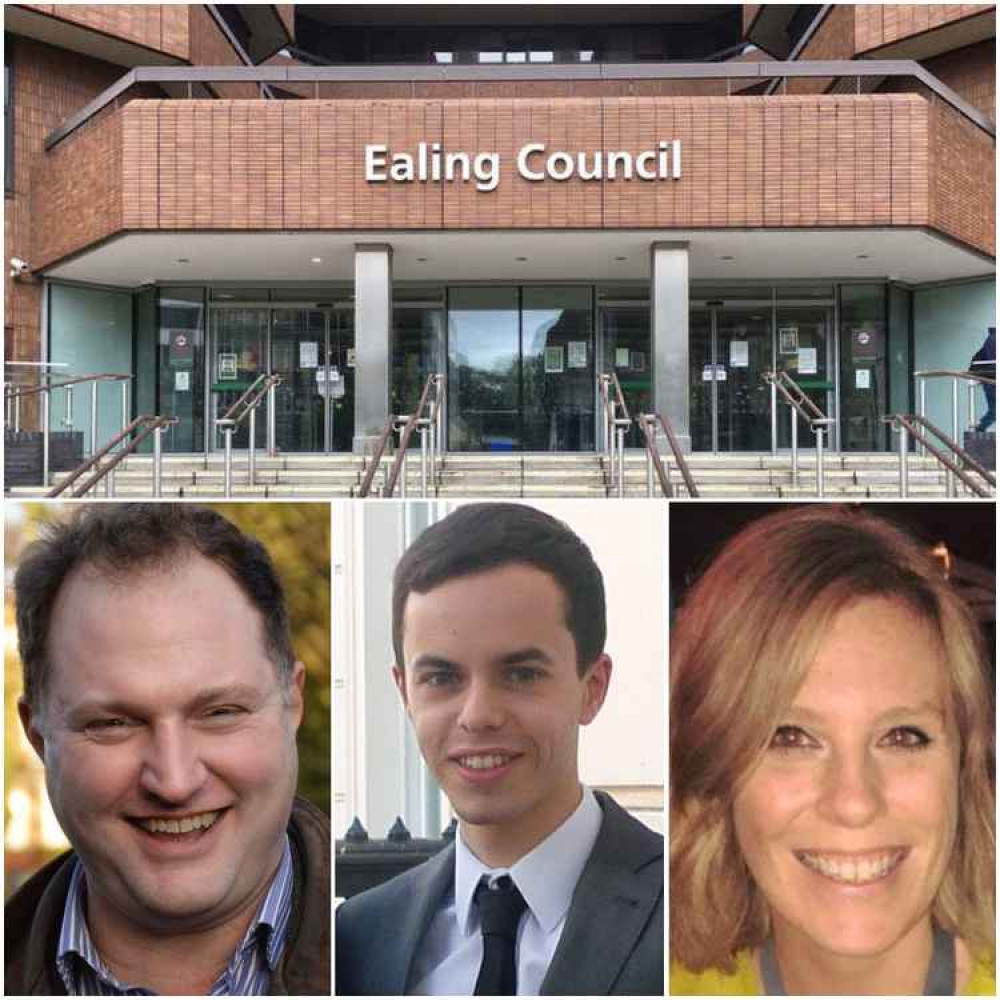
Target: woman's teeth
x=859 y=870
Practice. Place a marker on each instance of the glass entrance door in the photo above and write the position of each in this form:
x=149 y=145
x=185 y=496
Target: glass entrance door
x=521 y=369
x=311 y=348
x=301 y=399
x=625 y=336
x=729 y=349
x=805 y=351
x=238 y=357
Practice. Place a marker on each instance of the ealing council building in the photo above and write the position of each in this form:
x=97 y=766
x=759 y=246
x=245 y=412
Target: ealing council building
x=519 y=198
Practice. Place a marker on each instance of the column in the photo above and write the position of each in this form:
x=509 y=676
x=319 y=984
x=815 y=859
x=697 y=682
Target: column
x=372 y=341
x=668 y=297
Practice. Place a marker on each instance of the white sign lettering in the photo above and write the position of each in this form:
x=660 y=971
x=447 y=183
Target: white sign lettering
x=534 y=162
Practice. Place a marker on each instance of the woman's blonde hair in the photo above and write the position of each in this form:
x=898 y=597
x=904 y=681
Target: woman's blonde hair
x=741 y=647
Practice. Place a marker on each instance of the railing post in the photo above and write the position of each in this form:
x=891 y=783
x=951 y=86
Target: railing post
x=272 y=449
x=227 y=434
x=252 y=451
x=157 y=461
x=820 y=478
x=125 y=420
x=795 y=445
x=68 y=415
x=922 y=409
x=423 y=460
x=954 y=411
x=17 y=412
x=402 y=474
x=620 y=436
x=972 y=403
x=45 y=435
x=109 y=483
x=649 y=460
x=93 y=417
x=904 y=456
x=774 y=415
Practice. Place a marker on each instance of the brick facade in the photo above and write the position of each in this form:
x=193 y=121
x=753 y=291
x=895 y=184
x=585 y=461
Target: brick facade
x=45 y=95
x=833 y=39
x=163 y=27
x=780 y=161
x=971 y=73
x=878 y=24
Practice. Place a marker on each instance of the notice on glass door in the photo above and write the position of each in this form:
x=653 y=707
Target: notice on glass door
x=554 y=363
x=739 y=353
x=862 y=378
x=308 y=354
x=807 y=360
x=576 y=354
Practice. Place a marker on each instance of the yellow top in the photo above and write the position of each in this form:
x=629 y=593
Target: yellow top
x=744 y=982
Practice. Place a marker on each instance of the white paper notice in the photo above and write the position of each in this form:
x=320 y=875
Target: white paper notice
x=807 y=360
x=308 y=354
x=862 y=378
x=182 y=381
x=739 y=353
x=576 y=354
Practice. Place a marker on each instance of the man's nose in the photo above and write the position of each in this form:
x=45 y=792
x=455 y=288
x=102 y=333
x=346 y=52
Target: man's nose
x=172 y=768
x=852 y=792
x=482 y=707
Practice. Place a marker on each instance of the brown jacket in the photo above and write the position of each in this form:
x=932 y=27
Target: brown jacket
x=33 y=916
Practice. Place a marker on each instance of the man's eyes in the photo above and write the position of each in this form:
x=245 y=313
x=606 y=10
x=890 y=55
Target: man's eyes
x=516 y=675
x=110 y=727
x=437 y=678
x=525 y=675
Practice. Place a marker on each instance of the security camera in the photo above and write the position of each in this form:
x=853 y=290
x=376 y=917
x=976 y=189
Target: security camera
x=19 y=268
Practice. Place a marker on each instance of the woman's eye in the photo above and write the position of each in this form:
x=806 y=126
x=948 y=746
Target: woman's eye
x=791 y=738
x=906 y=738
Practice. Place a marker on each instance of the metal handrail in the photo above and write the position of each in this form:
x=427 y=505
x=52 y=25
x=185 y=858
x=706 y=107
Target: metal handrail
x=246 y=406
x=728 y=71
x=424 y=424
x=616 y=422
x=13 y=397
x=909 y=425
x=647 y=423
x=366 y=483
x=967 y=376
x=800 y=405
x=146 y=425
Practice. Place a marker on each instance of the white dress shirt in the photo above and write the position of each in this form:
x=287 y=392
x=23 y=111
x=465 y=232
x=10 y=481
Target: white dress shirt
x=448 y=958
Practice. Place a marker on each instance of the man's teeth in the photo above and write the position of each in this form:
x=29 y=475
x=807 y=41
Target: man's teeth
x=484 y=762
x=187 y=824
x=853 y=871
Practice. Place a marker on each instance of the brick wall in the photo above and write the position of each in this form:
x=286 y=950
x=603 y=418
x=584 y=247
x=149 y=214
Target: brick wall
x=210 y=47
x=963 y=165
x=780 y=161
x=163 y=27
x=749 y=13
x=834 y=39
x=878 y=24
x=45 y=94
x=971 y=73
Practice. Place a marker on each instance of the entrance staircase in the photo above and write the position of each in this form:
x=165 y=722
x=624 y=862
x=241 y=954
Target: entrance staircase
x=851 y=475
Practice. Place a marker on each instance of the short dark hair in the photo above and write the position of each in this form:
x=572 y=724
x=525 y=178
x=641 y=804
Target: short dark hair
x=484 y=536
x=122 y=539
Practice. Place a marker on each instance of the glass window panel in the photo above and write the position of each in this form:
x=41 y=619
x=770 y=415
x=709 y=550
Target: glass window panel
x=862 y=367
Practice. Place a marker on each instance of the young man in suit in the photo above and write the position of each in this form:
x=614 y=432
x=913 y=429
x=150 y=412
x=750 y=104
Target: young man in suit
x=499 y=627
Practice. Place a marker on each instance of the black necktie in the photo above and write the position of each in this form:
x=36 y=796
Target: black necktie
x=500 y=908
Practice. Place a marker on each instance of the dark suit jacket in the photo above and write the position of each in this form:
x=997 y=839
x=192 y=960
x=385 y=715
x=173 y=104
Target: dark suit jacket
x=612 y=943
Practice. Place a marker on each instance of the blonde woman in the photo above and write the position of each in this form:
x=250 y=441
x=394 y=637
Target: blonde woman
x=832 y=797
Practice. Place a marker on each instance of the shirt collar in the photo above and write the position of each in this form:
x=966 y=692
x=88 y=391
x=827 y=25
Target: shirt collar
x=546 y=876
x=269 y=928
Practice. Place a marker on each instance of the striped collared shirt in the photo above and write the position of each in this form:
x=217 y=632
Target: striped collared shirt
x=248 y=973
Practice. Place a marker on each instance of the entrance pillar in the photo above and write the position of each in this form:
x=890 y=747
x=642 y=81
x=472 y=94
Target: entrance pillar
x=669 y=308
x=372 y=342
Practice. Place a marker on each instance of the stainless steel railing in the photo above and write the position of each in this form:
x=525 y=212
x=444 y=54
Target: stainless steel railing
x=654 y=463
x=15 y=394
x=245 y=407
x=955 y=459
x=800 y=405
x=126 y=441
x=616 y=423
x=957 y=377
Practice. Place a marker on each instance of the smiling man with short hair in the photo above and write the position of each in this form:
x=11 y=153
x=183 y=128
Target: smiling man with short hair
x=163 y=697
x=499 y=626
